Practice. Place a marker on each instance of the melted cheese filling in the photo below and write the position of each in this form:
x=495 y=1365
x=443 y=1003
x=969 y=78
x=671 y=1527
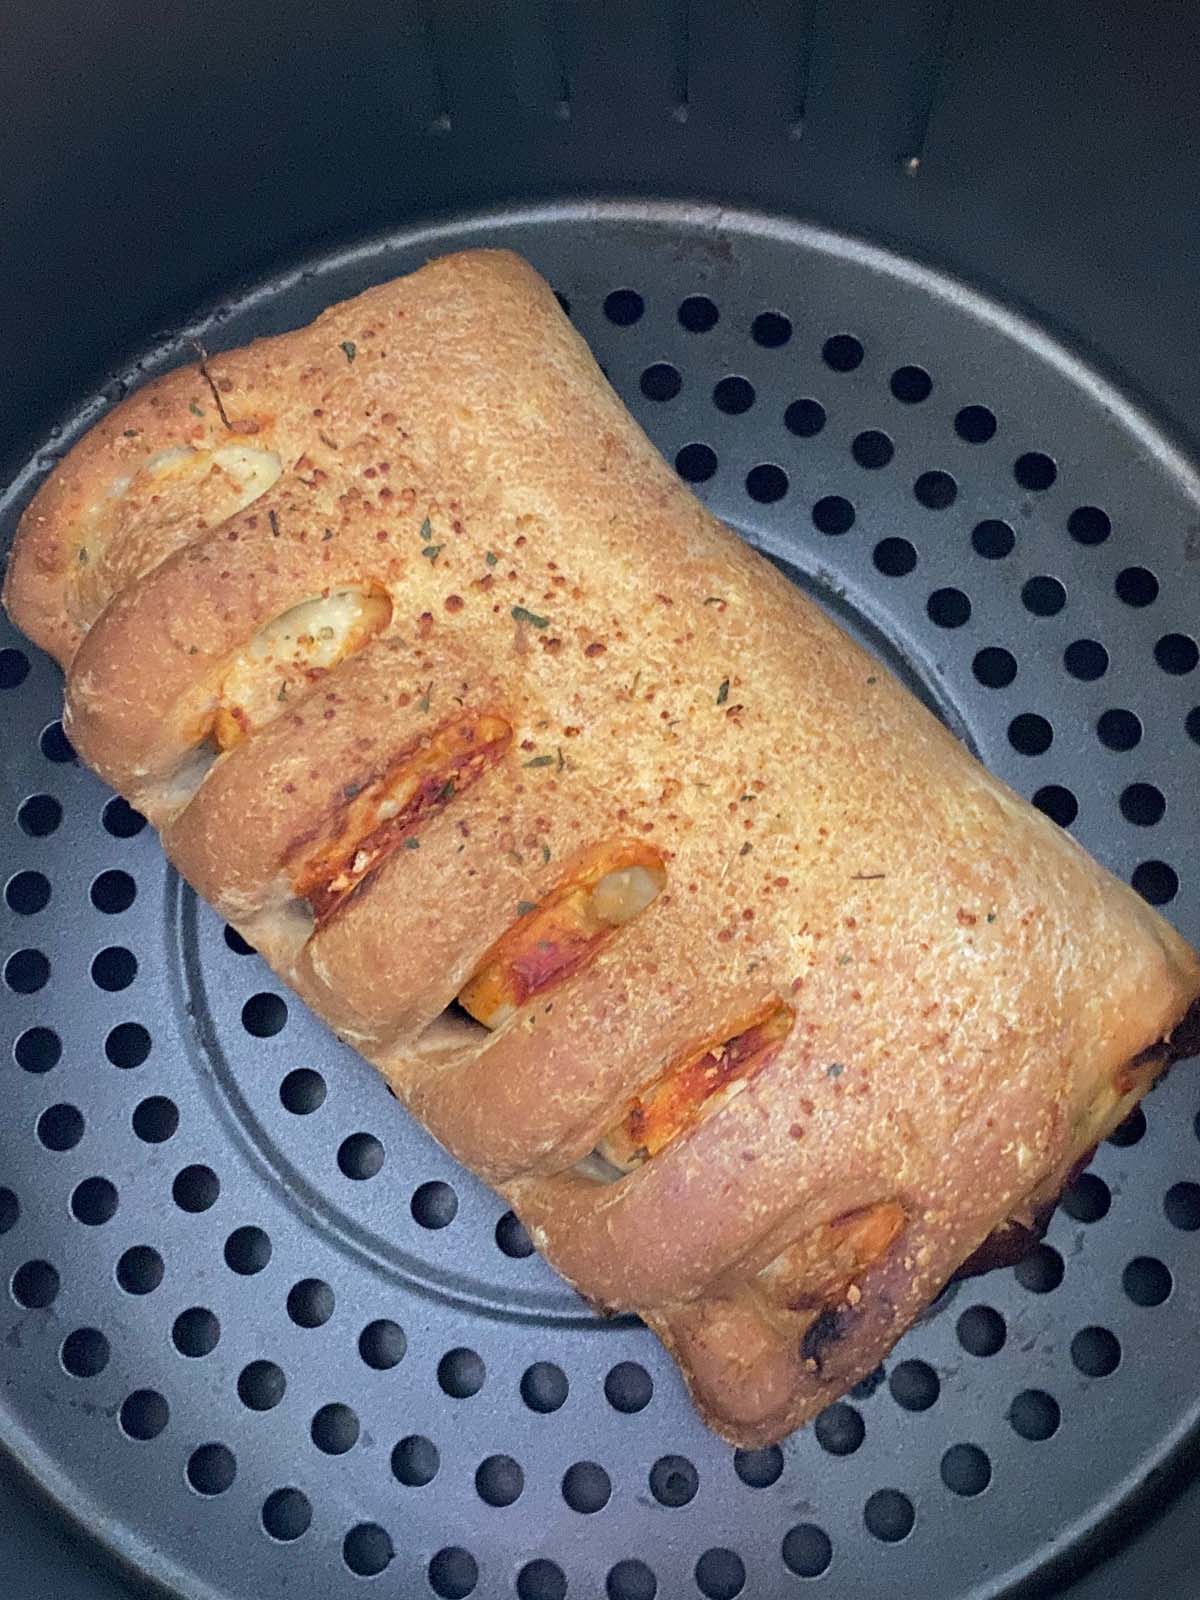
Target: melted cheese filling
x=241 y=473
x=284 y=657
x=252 y=469
x=557 y=937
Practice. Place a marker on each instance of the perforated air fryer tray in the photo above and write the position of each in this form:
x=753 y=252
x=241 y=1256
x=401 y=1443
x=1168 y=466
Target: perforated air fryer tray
x=261 y=1336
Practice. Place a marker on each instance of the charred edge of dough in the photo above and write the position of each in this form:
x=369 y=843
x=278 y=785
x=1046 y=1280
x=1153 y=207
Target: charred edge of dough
x=814 y=1290
x=829 y=1327
x=1018 y=1235
x=1185 y=1038
x=565 y=931
x=385 y=813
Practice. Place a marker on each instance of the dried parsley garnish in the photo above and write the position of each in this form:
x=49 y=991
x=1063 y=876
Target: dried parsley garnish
x=540 y=761
x=520 y=614
x=349 y=348
x=723 y=692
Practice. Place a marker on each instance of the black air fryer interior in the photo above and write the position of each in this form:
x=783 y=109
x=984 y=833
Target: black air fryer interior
x=259 y=1334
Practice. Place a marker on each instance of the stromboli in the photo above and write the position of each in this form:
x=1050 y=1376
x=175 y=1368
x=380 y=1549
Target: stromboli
x=554 y=665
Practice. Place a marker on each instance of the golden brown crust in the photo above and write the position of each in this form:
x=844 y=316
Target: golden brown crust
x=967 y=985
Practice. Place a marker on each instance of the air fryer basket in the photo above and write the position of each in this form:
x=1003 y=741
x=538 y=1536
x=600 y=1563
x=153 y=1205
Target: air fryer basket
x=260 y=1335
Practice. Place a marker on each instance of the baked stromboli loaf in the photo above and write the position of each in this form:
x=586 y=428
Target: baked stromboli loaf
x=660 y=903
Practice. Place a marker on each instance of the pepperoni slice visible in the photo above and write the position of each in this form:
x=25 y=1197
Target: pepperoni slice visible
x=381 y=815
x=671 y=1106
x=564 y=931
